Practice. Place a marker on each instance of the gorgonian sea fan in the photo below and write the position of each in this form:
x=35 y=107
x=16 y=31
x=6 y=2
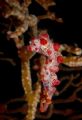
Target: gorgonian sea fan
x=43 y=45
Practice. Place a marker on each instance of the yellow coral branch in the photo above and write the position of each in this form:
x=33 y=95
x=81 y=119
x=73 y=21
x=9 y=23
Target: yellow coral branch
x=72 y=49
x=73 y=61
x=32 y=96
